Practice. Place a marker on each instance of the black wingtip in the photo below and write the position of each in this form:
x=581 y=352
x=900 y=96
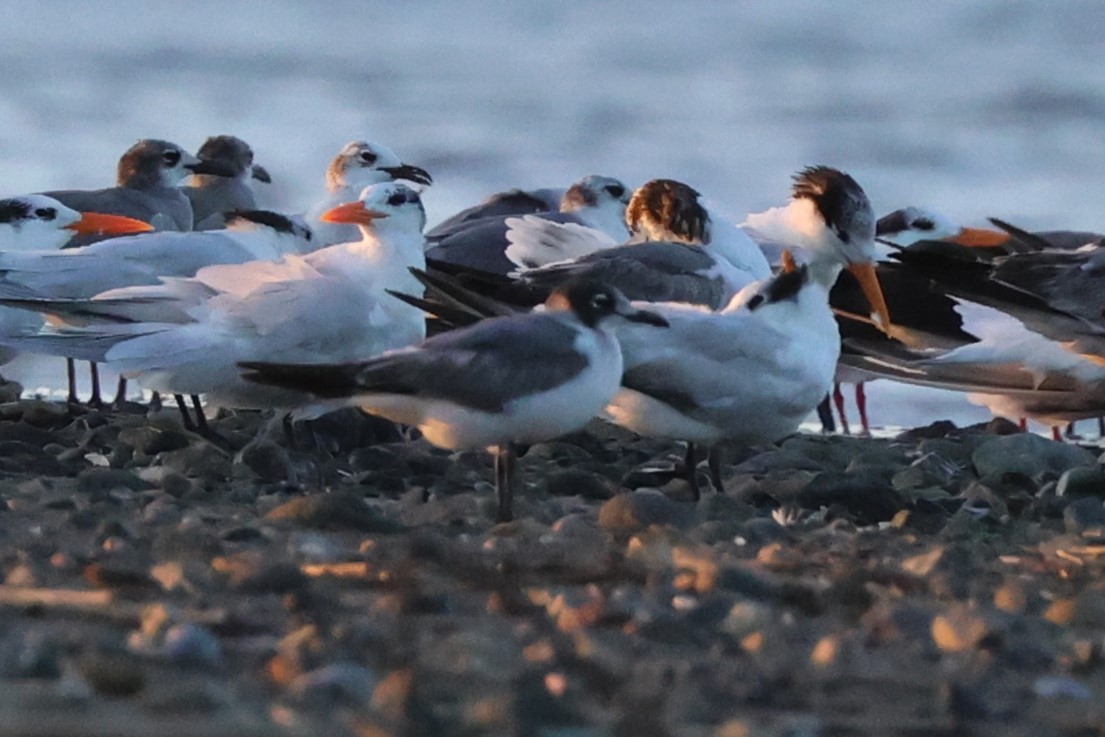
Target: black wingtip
x=327 y=381
x=1022 y=241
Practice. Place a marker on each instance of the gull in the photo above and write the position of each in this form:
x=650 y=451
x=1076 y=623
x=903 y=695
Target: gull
x=37 y=279
x=594 y=202
x=358 y=165
x=501 y=204
x=147 y=186
x=520 y=379
x=712 y=374
x=213 y=196
x=40 y=222
x=186 y=335
x=679 y=250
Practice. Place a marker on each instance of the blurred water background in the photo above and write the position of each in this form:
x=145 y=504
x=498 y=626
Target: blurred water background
x=975 y=108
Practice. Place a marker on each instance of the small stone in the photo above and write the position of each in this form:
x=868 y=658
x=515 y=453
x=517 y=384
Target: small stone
x=113 y=674
x=337 y=509
x=1030 y=455
x=95 y=480
x=1085 y=516
x=345 y=682
x=1056 y=687
x=1082 y=481
x=149 y=440
x=958 y=629
x=193 y=644
x=574 y=482
x=636 y=510
x=269 y=578
x=866 y=495
x=267 y=460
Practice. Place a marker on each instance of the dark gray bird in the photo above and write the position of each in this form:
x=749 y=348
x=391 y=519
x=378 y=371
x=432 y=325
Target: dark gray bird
x=594 y=202
x=524 y=378
x=147 y=187
x=213 y=196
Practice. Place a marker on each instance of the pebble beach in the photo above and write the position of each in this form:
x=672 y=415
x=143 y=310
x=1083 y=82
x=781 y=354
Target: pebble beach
x=943 y=581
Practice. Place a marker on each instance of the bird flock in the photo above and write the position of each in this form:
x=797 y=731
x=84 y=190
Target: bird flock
x=545 y=308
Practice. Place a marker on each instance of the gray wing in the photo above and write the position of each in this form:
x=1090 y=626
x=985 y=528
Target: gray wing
x=654 y=272
x=483 y=367
x=482 y=245
x=217 y=195
x=512 y=202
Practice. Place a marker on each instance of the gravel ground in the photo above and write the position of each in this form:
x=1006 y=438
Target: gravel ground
x=946 y=581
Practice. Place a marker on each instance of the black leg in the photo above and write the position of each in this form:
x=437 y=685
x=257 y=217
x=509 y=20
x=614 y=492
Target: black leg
x=120 y=393
x=71 y=378
x=155 y=401
x=504 y=482
x=1101 y=427
x=97 y=399
x=825 y=414
x=690 y=467
x=713 y=462
x=201 y=418
x=185 y=415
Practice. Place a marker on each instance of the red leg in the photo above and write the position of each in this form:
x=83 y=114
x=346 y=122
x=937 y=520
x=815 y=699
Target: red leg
x=861 y=405
x=838 y=400
x=1056 y=434
x=1023 y=424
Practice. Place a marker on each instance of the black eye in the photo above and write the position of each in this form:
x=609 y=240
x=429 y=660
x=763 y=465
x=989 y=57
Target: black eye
x=368 y=157
x=616 y=190
x=171 y=158
x=397 y=199
x=602 y=299
x=46 y=213
x=755 y=302
x=923 y=224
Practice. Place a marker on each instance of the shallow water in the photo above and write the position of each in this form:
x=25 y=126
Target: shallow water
x=975 y=108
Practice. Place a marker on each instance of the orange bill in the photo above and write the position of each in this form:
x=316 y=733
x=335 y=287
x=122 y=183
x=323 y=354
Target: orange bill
x=96 y=223
x=352 y=213
x=869 y=283
x=787 y=260
x=980 y=238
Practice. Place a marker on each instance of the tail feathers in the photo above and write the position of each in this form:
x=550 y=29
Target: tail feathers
x=457 y=295
x=327 y=381
x=77 y=345
x=444 y=316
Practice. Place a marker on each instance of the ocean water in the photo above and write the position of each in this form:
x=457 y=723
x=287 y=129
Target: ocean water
x=975 y=108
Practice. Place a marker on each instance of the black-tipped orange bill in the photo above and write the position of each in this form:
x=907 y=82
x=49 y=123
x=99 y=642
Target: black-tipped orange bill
x=869 y=283
x=352 y=213
x=787 y=260
x=980 y=238
x=97 y=223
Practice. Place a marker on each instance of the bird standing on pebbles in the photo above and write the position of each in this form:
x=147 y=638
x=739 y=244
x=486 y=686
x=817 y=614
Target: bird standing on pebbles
x=521 y=379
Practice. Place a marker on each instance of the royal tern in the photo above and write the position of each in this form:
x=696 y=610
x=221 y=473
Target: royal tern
x=147 y=186
x=594 y=202
x=522 y=379
x=31 y=278
x=186 y=335
x=212 y=196
x=358 y=165
x=38 y=222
